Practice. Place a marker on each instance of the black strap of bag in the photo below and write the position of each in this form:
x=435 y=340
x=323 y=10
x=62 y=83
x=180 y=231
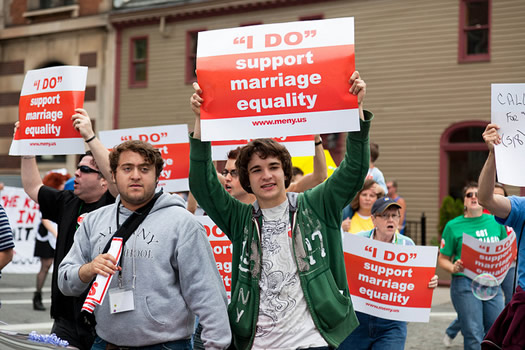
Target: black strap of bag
x=132 y=223
x=125 y=231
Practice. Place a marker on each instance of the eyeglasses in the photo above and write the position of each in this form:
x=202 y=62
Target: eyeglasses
x=87 y=170
x=233 y=173
x=389 y=216
x=471 y=194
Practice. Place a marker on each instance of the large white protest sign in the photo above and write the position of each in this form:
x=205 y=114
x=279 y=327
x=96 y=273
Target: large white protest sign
x=272 y=80
x=24 y=217
x=389 y=281
x=48 y=99
x=508 y=112
x=173 y=144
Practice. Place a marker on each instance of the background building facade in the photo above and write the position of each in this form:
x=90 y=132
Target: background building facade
x=42 y=33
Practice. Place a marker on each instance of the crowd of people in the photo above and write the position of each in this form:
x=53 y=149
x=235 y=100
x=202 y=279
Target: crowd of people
x=127 y=257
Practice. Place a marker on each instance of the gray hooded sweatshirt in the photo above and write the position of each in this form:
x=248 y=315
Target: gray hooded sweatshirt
x=176 y=276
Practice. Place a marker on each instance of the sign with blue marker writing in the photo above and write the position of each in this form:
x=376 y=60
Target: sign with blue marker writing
x=508 y=112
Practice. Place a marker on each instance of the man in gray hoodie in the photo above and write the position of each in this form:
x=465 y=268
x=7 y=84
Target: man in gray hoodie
x=166 y=273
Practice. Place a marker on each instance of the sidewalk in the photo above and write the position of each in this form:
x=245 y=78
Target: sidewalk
x=429 y=336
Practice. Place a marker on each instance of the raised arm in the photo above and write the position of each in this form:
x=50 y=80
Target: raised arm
x=204 y=184
x=358 y=88
x=319 y=174
x=339 y=189
x=82 y=122
x=196 y=102
x=497 y=204
x=31 y=180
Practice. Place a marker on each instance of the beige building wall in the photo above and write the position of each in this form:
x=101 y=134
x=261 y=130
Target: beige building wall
x=91 y=46
x=407 y=51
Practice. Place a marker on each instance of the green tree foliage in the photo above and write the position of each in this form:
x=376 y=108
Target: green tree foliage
x=450 y=208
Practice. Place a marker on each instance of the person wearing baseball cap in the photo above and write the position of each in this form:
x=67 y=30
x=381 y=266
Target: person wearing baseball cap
x=376 y=332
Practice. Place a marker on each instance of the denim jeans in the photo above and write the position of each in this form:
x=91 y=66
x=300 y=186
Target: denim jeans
x=508 y=284
x=475 y=316
x=453 y=328
x=100 y=344
x=375 y=333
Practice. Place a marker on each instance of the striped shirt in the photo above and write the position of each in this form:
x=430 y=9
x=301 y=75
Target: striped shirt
x=6 y=235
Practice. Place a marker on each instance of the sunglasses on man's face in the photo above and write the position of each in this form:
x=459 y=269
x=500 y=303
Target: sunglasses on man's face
x=87 y=170
x=471 y=194
x=233 y=173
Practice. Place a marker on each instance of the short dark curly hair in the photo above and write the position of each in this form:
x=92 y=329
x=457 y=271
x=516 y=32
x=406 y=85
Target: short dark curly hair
x=263 y=148
x=468 y=186
x=150 y=154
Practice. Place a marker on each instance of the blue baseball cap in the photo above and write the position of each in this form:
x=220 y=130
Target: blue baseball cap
x=383 y=204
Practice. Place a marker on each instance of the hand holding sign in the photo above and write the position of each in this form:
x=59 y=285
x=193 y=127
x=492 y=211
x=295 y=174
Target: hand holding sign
x=433 y=282
x=358 y=87
x=491 y=136
x=508 y=118
x=82 y=123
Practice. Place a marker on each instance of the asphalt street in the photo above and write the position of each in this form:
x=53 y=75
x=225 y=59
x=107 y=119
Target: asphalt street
x=17 y=314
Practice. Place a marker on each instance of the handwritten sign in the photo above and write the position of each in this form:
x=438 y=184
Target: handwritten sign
x=24 y=218
x=271 y=80
x=48 y=99
x=173 y=144
x=508 y=112
x=389 y=281
x=482 y=257
x=222 y=251
x=298 y=146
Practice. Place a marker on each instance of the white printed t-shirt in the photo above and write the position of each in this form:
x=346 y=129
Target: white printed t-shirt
x=284 y=321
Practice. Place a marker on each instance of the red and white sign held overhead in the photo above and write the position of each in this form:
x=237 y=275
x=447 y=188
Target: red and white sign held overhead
x=48 y=99
x=272 y=80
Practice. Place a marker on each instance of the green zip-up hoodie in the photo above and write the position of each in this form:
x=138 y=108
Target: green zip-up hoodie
x=315 y=216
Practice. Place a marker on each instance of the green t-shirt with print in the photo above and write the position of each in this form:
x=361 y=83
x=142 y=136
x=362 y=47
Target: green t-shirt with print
x=484 y=227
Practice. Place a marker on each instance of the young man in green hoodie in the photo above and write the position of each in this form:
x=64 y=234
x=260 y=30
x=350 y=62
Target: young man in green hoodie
x=289 y=286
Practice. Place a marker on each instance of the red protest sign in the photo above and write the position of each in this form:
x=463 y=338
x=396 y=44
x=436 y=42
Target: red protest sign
x=277 y=79
x=388 y=280
x=494 y=258
x=48 y=99
x=389 y=284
